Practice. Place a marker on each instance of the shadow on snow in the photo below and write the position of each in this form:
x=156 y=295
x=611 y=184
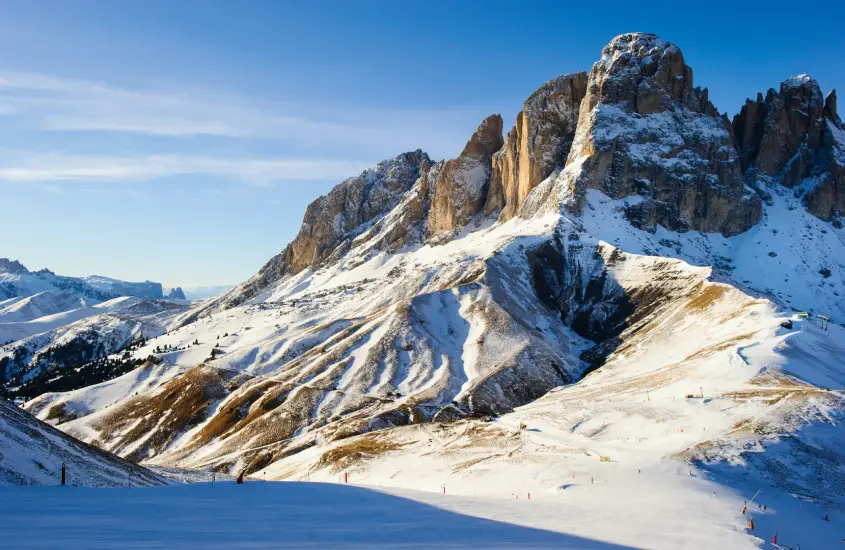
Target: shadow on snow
x=255 y=515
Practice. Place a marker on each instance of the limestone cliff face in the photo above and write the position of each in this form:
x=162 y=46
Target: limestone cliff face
x=331 y=223
x=537 y=144
x=793 y=136
x=779 y=136
x=643 y=129
x=826 y=198
x=347 y=208
x=460 y=185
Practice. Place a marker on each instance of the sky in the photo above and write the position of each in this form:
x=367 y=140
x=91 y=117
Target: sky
x=180 y=141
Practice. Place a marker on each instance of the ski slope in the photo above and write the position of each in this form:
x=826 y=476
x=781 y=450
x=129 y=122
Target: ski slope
x=607 y=515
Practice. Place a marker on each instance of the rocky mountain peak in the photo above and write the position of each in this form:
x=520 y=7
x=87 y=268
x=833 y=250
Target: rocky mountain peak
x=634 y=127
x=331 y=223
x=791 y=137
x=12 y=266
x=349 y=207
x=460 y=185
x=175 y=294
x=830 y=107
x=645 y=74
x=486 y=140
x=784 y=128
x=643 y=129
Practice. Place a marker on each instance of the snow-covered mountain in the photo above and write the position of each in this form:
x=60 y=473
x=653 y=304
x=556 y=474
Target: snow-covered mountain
x=146 y=289
x=69 y=350
x=17 y=281
x=51 y=325
x=627 y=272
x=32 y=453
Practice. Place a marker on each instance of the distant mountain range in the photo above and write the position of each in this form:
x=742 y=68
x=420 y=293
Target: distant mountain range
x=51 y=325
x=17 y=281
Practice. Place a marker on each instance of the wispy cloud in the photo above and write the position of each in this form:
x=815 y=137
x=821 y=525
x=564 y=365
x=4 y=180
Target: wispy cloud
x=52 y=103
x=38 y=168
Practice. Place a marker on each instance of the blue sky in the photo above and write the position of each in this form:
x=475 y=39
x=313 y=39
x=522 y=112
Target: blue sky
x=180 y=141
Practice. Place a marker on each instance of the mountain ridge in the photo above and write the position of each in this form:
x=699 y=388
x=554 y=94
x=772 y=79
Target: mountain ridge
x=638 y=102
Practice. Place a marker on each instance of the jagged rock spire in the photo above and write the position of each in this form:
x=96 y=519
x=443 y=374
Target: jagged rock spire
x=830 y=107
x=537 y=144
x=643 y=129
x=784 y=128
x=793 y=136
x=461 y=184
x=12 y=266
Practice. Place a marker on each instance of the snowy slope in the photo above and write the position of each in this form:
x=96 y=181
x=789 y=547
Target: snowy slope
x=334 y=369
x=32 y=453
x=769 y=418
x=780 y=258
x=64 y=341
x=277 y=515
x=63 y=310
x=27 y=308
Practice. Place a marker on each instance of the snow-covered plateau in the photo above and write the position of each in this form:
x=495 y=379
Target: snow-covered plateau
x=618 y=326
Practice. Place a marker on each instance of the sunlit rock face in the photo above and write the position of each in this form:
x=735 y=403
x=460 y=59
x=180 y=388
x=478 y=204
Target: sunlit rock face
x=794 y=137
x=644 y=130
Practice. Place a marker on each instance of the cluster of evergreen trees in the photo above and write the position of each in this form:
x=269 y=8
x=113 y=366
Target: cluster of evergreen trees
x=94 y=372
x=75 y=364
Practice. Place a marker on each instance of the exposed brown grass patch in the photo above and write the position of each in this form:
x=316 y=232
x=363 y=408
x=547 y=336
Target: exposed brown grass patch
x=741 y=310
x=777 y=378
x=488 y=435
x=58 y=414
x=771 y=396
x=706 y=296
x=356 y=450
x=158 y=419
x=461 y=466
x=236 y=412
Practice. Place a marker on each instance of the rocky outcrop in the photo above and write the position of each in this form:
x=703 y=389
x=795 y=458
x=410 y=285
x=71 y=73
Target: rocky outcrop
x=780 y=135
x=12 y=266
x=460 y=185
x=826 y=197
x=538 y=144
x=330 y=224
x=348 y=208
x=636 y=127
x=643 y=129
x=176 y=294
x=794 y=136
